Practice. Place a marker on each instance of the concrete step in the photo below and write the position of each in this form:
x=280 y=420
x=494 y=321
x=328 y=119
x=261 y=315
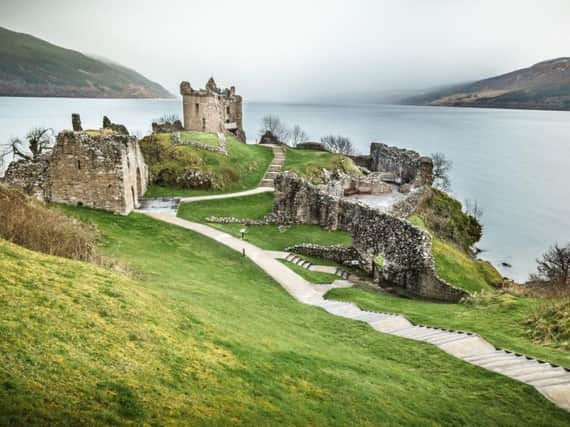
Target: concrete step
x=483 y=357
x=267 y=183
x=497 y=364
x=537 y=376
x=452 y=337
x=550 y=382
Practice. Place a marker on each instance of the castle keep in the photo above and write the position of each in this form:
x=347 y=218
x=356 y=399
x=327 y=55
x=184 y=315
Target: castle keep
x=212 y=109
x=99 y=169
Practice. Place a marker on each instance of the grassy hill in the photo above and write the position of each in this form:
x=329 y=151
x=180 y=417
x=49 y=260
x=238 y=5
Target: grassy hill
x=545 y=85
x=33 y=67
x=198 y=335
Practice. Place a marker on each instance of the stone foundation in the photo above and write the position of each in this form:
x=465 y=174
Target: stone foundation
x=405 y=249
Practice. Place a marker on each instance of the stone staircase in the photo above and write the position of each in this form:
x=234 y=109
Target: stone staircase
x=275 y=167
x=323 y=269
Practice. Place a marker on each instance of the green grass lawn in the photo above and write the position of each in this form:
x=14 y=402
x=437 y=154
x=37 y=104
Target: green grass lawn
x=242 y=169
x=456 y=267
x=310 y=163
x=199 y=335
x=501 y=323
x=311 y=276
x=209 y=138
x=264 y=236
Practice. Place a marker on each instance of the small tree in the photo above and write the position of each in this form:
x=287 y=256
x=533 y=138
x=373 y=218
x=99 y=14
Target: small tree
x=441 y=168
x=274 y=125
x=472 y=208
x=554 y=266
x=338 y=144
x=37 y=141
x=297 y=136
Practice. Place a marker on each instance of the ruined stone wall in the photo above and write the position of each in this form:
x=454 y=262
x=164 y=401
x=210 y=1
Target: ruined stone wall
x=405 y=249
x=407 y=166
x=30 y=176
x=103 y=171
x=336 y=253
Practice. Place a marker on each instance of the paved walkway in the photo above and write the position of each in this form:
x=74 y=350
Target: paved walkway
x=552 y=381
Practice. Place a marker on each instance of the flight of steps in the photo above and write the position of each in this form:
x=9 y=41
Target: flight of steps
x=307 y=265
x=275 y=167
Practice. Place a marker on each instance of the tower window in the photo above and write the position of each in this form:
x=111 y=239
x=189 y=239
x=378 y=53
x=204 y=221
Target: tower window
x=197 y=107
x=79 y=164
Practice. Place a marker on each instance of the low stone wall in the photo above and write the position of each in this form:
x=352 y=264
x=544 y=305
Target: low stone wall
x=167 y=127
x=336 y=253
x=268 y=220
x=405 y=249
x=220 y=150
x=405 y=207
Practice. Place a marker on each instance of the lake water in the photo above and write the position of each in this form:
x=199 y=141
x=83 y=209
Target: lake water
x=515 y=163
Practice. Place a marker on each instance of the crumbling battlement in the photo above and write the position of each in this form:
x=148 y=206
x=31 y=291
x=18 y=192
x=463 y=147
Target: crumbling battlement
x=212 y=109
x=103 y=170
x=405 y=250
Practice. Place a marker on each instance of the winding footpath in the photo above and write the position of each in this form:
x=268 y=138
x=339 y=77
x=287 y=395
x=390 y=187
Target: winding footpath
x=550 y=380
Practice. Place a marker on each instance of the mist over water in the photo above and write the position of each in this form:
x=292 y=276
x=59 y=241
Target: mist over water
x=514 y=163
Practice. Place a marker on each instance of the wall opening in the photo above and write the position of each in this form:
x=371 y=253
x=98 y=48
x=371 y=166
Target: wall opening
x=197 y=107
x=133 y=195
x=79 y=164
x=203 y=124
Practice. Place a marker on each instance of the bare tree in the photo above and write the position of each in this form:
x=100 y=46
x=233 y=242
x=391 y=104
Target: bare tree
x=338 y=144
x=274 y=125
x=472 y=208
x=297 y=136
x=441 y=168
x=554 y=265
x=37 y=141
x=167 y=118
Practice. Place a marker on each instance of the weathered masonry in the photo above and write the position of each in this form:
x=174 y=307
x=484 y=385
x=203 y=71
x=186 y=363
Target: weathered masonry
x=98 y=169
x=212 y=109
x=404 y=250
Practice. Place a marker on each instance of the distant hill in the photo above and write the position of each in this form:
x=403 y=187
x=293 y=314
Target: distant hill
x=33 y=67
x=544 y=86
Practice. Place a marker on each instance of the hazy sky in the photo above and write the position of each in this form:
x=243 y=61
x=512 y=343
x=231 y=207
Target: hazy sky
x=298 y=50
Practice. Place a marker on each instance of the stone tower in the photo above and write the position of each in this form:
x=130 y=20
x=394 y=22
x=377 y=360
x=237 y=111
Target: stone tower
x=212 y=109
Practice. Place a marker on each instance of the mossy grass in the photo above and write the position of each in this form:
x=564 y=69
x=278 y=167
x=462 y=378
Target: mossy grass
x=209 y=138
x=270 y=237
x=242 y=169
x=310 y=163
x=311 y=276
x=200 y=335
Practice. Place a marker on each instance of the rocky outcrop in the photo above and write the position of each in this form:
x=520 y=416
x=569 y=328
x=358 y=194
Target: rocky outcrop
x=404 y=248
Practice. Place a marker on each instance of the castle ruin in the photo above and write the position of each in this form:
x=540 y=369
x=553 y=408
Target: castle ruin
x=212 y=109
x=99 y=169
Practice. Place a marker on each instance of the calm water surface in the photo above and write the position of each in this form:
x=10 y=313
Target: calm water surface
x=515 y=163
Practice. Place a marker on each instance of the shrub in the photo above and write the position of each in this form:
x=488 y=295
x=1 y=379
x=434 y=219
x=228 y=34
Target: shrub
x=550 y=323
x=31 y=224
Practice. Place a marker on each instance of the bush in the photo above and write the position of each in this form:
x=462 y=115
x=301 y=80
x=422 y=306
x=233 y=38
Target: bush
x=31 y=224
x=550 y=323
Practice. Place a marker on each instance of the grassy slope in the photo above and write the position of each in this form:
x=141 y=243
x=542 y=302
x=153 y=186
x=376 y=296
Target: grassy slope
x=502 y=324
x=33 y=67
x=264 y=236
x=310 y=163
x=311 y=276
x=241 y=170
x=456 y=267
x=202 y=335
x=202 y=137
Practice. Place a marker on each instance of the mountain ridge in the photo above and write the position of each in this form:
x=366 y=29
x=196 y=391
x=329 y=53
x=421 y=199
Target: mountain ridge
x=30 y=66
x=543 y=86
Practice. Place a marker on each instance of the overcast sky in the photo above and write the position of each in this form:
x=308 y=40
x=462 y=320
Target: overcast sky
x=301 y=50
